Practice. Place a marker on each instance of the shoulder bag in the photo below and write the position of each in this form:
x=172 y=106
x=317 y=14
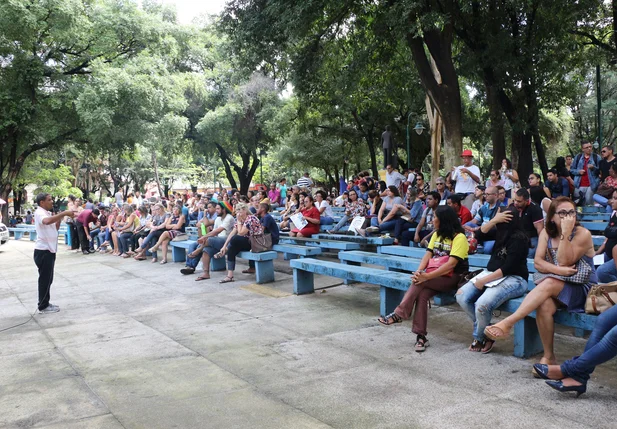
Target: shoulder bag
x=260 y=243
x=583 y=272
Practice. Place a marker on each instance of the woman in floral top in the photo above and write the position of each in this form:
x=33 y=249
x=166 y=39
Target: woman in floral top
x=353 y=207
x=238 y=240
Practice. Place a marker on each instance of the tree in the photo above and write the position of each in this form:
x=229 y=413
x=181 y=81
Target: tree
x=47 y=50
x=237 y=129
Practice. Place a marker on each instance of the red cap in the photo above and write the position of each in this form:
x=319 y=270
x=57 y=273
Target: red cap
x=467 y=152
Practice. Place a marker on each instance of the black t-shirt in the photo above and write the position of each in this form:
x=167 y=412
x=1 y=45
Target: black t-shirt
x=604 y=166
x=529 y=216
x=512 y=258
x=537 y=194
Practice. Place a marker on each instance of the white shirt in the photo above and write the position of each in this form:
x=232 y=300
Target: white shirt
x=411 y=177
x=339 y=201
x=46 y=235
x=394 y=179
x=227 y=223
x=464 y=183
x=328 y=211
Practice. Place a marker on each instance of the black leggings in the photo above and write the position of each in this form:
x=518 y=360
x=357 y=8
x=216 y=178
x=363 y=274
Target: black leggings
x=237 y=244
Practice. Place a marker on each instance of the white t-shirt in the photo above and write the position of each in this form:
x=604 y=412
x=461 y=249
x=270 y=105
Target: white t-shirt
x=339 y=201
x=328 y=211
x=394 y=179
x=46 y=235
x=464 y=183
x=227 y=223
x=411 y=177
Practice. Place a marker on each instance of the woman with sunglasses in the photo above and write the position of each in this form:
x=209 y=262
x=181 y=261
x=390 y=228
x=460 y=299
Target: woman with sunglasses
x=494 y=179
x=354 y=206
x=561 y=245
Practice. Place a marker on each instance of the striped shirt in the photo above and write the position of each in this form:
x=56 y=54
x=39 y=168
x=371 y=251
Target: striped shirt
x=46 y=235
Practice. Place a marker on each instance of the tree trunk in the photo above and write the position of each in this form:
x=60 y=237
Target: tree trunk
x=5 y=191
x=370 y=141
x=156 y=173
x=498 y=138
x=521 y=144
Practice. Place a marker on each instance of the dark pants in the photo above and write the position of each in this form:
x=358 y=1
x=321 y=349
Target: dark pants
x=402 y=226
x=136 y=237
x=74 y=237
x=83 y=240
x=237 y=244
x=45 y=261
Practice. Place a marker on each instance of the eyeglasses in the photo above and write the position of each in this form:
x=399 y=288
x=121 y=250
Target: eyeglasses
x=438 y=184
x=563 y=213
x=490 y=193
x=604 y=151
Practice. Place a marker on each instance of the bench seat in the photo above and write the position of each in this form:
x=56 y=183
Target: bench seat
x=290 y=251
x=376 y=241
x=264 y=264
x=19 y=232
x=323 y=244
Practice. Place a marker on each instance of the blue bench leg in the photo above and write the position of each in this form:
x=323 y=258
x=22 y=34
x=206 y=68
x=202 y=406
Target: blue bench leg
x=303 y=282
x=289 y=256
x=178 y=254
x=217 y=264
x=67 y=236
x=264 y=271
x=357 y=264
x=18 y=235
x=527 y=338
x=32 y=236
x=389 y=299
x=444 y=299
x=578 y=332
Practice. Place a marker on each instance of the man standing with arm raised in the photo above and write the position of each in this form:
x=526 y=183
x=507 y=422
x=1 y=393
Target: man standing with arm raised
x=46 y=246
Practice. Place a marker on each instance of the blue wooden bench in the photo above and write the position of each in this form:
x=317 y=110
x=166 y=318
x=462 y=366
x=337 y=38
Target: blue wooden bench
x=376 y=241
x=179 y=248
x=392 y=288
x=594 y=227
x=19 y=232
x=323 y=244
x=291 y=251
x=264 y=264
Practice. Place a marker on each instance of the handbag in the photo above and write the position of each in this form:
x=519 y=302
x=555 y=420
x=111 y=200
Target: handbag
x=466 y=277
x=600 y=298
x=183 y=236
x=583 y=272
x=260 y=243
x=605 y=190
x=437 y=261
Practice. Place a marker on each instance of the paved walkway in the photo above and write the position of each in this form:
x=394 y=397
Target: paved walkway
x=138 y=345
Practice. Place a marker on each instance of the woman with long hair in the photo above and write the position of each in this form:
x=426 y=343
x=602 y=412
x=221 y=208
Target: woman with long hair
x=564 y=249
x=440 y=270
x=508 y=176
x=311 y=215
x=174 y=226
x=354 y=206
x=505 y=278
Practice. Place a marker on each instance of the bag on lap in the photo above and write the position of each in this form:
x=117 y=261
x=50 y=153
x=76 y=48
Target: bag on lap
x=583 y=272
x=600 y=298
x=260 y=243
x=181 y=237
x=437 y=261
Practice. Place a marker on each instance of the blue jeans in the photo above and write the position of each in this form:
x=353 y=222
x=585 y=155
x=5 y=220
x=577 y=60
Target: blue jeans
x=124 y=241
x=326 y=220
x=479 y=304
x=385 y=226
x=601 y=347
x=603 y=201
x=607 y=272
x=341 y=223
x=192 y=262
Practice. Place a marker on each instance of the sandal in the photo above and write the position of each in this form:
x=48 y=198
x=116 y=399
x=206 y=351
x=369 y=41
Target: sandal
x=204 y=276
x=494 y=333
x=227 y=279
x=488 y=346
x=218 y=255
x=163 y=262
x=249 y=271
x=477 y=346
x=390 y=319
x=421 y=343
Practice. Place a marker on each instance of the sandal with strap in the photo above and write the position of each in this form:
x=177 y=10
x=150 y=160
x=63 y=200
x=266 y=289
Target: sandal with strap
x=476 y=346
x=421 y=343
x=227 y=279
x=390 y=319
x=488 y=346
x=204 y=276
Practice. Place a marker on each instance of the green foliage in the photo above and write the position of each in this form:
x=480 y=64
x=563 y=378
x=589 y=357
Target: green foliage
x=56 y=180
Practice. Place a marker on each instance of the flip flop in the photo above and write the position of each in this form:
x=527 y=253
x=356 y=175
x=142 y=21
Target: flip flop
x=202 y=277
x=494 y=337
x=488 y=346
x=227 y=279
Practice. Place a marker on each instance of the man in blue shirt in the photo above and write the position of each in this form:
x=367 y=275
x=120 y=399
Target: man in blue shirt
x=558 y=186
x=484 y=215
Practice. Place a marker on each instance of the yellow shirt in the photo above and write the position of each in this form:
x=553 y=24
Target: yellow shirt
x=457 y=248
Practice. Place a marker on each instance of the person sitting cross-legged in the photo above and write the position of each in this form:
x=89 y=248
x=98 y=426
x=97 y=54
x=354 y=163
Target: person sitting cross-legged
x=564 y=249
x=211 y=243
x=507 y=268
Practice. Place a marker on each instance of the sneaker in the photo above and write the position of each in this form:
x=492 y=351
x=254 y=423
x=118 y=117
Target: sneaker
x=85 y=252
x=187 y=270
x=372 y=229
x=50 y=309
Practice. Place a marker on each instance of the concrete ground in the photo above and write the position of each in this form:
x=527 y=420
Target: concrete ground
x=138 y=345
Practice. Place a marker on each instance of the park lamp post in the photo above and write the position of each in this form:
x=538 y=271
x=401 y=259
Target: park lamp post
x=262 y=152
x=418 y=129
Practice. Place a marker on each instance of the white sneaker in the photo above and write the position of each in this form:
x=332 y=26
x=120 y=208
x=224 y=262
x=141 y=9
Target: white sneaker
x=50 y=309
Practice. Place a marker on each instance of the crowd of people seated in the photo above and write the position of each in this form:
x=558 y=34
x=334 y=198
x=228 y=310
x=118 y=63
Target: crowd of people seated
x=501 y=216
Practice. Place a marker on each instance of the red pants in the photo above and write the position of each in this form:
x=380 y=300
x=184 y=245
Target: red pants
x=418 y=296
